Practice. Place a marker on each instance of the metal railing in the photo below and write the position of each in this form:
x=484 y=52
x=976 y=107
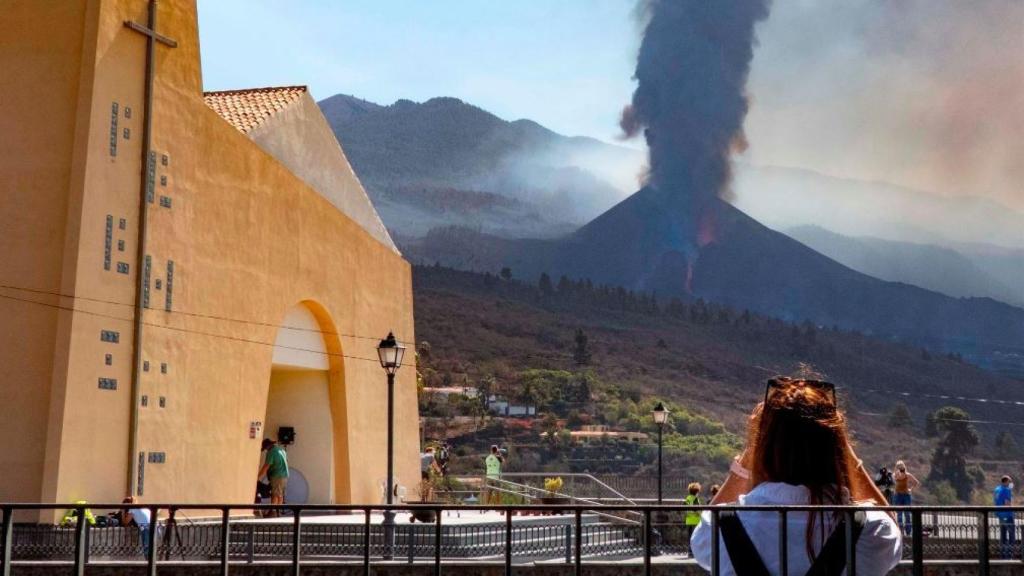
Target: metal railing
x=505 y=486
x=230 y=535
x=577 y=485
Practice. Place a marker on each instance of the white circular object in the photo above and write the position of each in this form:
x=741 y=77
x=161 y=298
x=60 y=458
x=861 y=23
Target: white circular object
x=297 y=489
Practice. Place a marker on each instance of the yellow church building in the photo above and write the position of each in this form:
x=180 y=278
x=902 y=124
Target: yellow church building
x=183 y=274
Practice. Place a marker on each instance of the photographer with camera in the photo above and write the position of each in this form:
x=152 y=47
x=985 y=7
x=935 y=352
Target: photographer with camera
x=885 y=483
x=492 y=466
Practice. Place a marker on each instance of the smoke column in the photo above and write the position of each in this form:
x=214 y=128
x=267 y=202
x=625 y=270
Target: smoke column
x=691 y=99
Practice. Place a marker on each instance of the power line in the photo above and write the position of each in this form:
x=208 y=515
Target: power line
x=196 y=314
x=970 y=420
x=322 y=332
x=942 y=396
x=187 y=330
x=905 y=394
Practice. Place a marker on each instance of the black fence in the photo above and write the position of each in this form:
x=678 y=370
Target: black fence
x=438 y=534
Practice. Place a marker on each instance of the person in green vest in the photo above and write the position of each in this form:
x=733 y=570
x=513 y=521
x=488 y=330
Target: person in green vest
x=492 y=465
x=71 y=516
x=692 y=517
x=276 y=469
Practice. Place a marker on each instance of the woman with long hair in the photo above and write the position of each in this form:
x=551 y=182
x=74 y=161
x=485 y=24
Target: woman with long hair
x=905 y=484
x=798 y=453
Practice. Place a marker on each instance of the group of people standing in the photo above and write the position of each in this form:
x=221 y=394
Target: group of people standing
x=897 y=486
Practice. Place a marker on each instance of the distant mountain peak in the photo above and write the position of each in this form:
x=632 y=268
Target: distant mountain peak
x=447 y=101
x=343 y=108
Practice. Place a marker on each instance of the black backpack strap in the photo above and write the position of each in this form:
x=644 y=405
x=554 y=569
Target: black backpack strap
x=742 y=553
x=832 y=559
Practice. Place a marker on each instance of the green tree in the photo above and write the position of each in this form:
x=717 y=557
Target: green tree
x=949 y=460
x=931 y=428
x=1006 y=446
x=944 y=494
x=574 y=420
x=506 y=274
x=545 y=284
x=485 y=387
x=584 y=387
x=424 y=349
x=564 y=285
x=899 y=416
x=549 y=428
x=977 y=475
x=581 y=353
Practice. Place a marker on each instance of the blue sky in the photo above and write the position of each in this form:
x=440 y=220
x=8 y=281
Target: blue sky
x=924 y=93
x=566 y=64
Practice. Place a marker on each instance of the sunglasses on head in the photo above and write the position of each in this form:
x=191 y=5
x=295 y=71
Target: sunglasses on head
x=775 y=384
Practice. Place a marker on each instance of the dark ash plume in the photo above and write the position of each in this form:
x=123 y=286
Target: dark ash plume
x=690 y=99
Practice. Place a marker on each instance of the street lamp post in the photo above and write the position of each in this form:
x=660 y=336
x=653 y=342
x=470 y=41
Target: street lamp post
x=390 y=353
x=660 y=414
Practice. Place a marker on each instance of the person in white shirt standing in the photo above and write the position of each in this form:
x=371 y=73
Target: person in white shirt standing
x=798 y=453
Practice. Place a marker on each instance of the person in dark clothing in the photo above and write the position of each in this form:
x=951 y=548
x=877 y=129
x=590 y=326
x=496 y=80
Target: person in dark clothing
x=885 y=483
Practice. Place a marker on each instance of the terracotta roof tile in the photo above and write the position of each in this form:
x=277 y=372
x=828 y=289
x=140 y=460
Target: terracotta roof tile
x=247 y=109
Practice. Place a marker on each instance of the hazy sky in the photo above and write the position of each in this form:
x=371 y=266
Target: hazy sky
x=923 y=93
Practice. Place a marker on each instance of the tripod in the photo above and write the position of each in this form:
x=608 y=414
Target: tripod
x=171 y=536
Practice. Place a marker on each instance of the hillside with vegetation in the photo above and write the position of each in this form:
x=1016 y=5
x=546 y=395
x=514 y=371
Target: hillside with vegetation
x=594 y=355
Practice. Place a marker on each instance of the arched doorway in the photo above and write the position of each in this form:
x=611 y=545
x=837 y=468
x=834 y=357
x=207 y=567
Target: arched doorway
x=299 y=398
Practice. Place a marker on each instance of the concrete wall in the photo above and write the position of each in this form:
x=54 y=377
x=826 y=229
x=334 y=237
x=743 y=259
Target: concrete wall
x=299 y=342
x=248 y=238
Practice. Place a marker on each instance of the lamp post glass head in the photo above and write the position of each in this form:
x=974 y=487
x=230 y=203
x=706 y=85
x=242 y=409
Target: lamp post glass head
x=390 y=353
x=660 y=414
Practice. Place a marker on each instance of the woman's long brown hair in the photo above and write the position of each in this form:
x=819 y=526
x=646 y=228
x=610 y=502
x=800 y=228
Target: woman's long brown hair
x=800 y=438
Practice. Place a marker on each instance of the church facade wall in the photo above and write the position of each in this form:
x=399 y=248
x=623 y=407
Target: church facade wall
x=40 y=198
x=235 y=240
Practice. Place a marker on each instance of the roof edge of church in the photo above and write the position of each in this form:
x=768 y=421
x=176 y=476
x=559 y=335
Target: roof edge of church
x=247 y=108
x=295 y=88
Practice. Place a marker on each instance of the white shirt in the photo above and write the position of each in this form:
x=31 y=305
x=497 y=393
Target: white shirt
x=141 y=516
x=878 y=549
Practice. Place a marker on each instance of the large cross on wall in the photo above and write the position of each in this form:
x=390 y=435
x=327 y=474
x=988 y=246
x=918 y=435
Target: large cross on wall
x=136 y=467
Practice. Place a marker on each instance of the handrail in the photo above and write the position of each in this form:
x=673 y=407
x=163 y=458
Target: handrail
x=573 y=533
x=218 y=506
x=573 y=498
x=585 y=475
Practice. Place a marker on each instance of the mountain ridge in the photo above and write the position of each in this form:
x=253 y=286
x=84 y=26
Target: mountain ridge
x=747 y=266
x=401 y=149
x=937 y=268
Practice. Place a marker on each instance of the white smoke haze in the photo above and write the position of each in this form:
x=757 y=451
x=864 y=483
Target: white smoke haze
x=901 y=120
x=784 y=198
x=927 y=94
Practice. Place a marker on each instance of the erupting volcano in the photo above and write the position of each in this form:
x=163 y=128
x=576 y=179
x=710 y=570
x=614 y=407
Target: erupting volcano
x=679 y=237
x=690 y=103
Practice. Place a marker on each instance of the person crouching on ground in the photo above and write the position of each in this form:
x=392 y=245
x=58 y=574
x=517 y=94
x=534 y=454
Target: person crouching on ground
x=275 y=467
x=798 y=453
x=138 y=516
